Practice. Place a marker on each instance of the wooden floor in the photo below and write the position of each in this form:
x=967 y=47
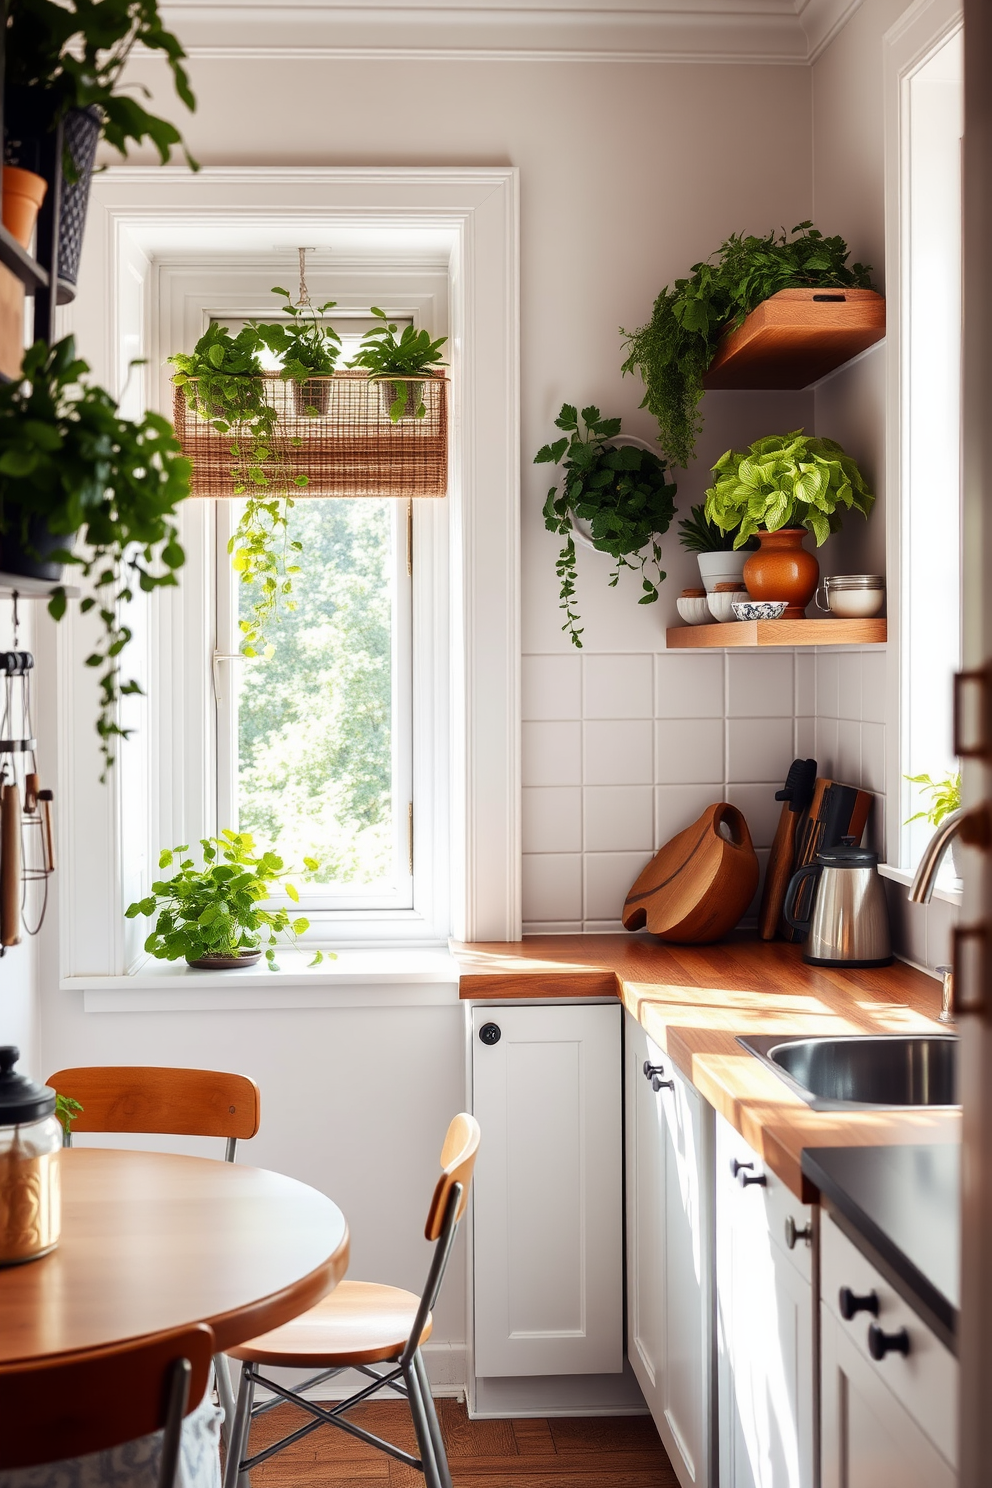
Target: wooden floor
x=579 y=1452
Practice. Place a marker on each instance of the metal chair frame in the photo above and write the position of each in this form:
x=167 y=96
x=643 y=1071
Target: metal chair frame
x=409 y=1367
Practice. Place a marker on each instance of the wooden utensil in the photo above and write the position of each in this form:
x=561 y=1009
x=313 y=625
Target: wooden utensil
x=697 y=887
x=10 y=866
x=797 y=793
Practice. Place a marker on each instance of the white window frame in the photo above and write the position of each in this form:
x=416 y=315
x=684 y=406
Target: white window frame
x=475 y=749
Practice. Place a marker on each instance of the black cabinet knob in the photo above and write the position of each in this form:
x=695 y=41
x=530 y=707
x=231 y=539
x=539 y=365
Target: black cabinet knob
x=490 y=1033
x=881 y=1343
x=654 y=1072
x=793 y=1236
x=652 y=1069
x=851 y=1304
x=745 y=1174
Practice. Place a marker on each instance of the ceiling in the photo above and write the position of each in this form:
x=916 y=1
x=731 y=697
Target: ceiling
x=777 y=31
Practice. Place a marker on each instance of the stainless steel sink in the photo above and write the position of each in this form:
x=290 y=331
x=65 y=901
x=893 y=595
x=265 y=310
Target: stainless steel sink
x=864 y=1072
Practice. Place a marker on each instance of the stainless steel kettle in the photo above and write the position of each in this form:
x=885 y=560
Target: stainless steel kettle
x=849 y=924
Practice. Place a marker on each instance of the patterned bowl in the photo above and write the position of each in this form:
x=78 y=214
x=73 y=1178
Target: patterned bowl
x=759 y=609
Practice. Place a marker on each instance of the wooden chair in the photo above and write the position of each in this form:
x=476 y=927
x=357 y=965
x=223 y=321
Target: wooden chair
x=103 y=1398
x=356 y=1326
x=168 y=1102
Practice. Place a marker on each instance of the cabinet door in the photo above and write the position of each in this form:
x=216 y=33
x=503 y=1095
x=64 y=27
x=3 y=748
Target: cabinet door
x=765 y=1338
x=869 y=1440
x=548 y=1191
x=670 y=1255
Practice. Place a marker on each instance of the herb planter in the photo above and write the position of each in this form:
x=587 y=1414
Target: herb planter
x=391 y=391
x=721 y=568
x=23 y=194
x=217 y=961
x=311 y=399
x=782 y=569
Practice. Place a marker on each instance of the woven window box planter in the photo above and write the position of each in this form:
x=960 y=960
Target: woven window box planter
x=346 y=445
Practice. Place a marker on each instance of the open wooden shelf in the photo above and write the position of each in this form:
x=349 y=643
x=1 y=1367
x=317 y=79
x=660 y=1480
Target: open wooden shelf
x=777 y=633
x=26 y=588
x=797 y=337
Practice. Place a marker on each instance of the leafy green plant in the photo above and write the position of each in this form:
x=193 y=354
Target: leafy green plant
x=77 y=49
x=308 y=346
x=621 y=491
x=945 y=797
x=786 y=480
x=66 y=1111
x=69 y=463
x=222 y=382
x=386 y=357
x=699 y=535
x=217 y=909
x=674 y=349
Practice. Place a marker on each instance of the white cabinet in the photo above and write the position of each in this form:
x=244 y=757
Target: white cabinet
x=888 y=1422
x=548 y=1195
x=766 y=1361
x=669 y=1139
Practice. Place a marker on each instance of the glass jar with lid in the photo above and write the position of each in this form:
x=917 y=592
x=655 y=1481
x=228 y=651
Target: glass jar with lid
x=30 y=1151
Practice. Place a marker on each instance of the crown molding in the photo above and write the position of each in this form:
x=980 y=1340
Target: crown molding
x=782 y=32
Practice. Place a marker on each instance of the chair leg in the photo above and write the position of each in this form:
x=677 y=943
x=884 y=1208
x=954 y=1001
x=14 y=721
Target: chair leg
x=421 y=1426
x=437 y=1440
x=225 y=1395
x=238 y=1440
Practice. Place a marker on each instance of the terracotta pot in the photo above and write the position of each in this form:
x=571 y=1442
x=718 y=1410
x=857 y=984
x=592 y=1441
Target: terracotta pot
x=23 y=194
x=217 y=961
x=782 y=569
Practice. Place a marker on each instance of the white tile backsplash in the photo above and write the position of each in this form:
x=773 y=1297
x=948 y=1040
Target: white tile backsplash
x=617 y=687
x=848 y=764
x=688 y=750
x=552 y=885
x=619 y=818
x=678 y=806
x=761 y=685
x=608 y=877
x=759 y=749
x=873 y=757
x=551 y=687
x=827 y=684
x=760 y=808
x=849 y=686
x=551 y=754
x=689 y=686
x=552 y=818
x=617 y=753
x=873 y=686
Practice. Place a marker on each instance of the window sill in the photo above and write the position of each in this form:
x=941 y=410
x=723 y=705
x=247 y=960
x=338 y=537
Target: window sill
x=362 y=978
x=947 y=887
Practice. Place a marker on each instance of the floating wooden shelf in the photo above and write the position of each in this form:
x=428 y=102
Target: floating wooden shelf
x=777 y=633
x=797 y=337
x=26 y=588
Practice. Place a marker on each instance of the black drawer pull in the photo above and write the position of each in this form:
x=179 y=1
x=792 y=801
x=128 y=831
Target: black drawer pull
x=793 y=1236
x=654 y=1072
x=745 y=1174
x=851 y=1304
x=881 y=1343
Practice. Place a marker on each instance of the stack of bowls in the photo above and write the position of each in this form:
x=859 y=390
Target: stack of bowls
x=853 y=596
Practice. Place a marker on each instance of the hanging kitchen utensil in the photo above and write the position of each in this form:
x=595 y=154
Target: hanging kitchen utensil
x=697 y=887
x=27 y=850
x=797 y=793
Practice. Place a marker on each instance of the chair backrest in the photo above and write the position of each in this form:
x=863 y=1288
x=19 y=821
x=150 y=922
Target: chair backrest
x=149 y=1098
x=90 y=1401
x=457 y=1162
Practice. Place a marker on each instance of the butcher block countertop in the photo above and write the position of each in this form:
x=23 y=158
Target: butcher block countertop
x=694 y=1001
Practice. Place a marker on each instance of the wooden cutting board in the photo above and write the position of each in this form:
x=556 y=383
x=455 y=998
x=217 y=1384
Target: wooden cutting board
x=696 y=888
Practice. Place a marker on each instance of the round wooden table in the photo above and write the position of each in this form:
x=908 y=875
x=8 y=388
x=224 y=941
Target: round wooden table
x=152 y=1241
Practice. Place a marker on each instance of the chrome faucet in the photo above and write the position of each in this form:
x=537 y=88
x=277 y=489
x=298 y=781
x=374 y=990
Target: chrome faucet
x=922 y=888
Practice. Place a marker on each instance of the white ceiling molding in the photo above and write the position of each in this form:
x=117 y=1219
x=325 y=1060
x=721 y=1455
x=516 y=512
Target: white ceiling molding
x=788 y=32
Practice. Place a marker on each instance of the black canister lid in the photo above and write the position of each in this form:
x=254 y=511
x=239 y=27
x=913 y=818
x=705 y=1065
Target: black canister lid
x=847 y=854
x=20 y=1098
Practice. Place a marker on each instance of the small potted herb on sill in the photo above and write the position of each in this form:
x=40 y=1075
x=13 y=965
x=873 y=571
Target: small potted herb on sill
x=714 y=549
x=308 y=349
x=400 y=365
x=212 y=917
x=618 y=491
x=777 y=490
x=69 y=464
x=945 y=797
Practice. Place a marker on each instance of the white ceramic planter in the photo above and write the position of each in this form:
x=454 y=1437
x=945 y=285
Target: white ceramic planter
x=722 y=568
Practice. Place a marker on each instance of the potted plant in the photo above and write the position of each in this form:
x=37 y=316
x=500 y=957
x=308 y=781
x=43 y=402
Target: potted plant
x=213 y=917
x=308 y=349
x=620 y=491
x=23 y=193
x=945 y=797
x=64 y=62
x=221 y=380
x=779 y=489
x=675 y=348
x=714 y=549
x=70 y=464
x=399 y=365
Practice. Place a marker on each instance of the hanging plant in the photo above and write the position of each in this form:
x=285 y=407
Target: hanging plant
x=307 y=348
x=397 y=363
x=621 y=491
x=673 y=351
x=70 y=464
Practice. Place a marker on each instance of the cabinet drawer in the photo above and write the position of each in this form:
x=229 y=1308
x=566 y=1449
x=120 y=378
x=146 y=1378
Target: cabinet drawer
x=925 y=1381
x=769 y=1206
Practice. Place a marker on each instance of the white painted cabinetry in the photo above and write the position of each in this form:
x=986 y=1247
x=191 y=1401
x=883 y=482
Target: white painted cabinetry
x=765 y=1300
x=888 y=1422
x=670 y=1330
x=548 y=1195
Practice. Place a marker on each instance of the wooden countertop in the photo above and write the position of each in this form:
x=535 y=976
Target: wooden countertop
x=693 y=1001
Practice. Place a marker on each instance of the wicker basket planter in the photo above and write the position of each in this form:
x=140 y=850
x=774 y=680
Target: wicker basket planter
x=348 y=448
